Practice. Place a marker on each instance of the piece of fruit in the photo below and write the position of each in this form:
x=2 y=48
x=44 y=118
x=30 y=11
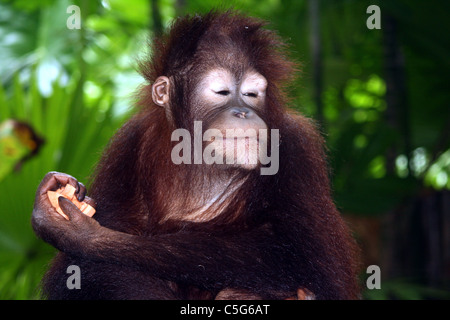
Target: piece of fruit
x=69 y=192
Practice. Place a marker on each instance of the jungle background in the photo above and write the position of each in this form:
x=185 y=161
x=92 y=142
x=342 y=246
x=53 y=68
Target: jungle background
x=380 y=96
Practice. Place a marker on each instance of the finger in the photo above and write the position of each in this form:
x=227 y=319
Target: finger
x=81 y=192
x=69 y=208
x=48 y=183
x=54 y=180
x=64 y=179
x=49 y=176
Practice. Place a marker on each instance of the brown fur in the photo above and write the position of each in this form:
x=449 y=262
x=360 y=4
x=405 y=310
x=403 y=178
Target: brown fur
x=274 y=234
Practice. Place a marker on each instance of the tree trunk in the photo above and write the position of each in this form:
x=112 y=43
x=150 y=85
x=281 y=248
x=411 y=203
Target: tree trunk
x=397 y=112
x=396 y=224
x=316 y=56
x=156 y=17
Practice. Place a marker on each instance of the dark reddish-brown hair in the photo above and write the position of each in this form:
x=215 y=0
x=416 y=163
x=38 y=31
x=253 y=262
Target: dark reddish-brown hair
x=229 y=40
x=136 y=181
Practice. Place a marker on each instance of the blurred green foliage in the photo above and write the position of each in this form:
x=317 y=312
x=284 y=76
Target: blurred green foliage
x=64 y=123
x=75 y=88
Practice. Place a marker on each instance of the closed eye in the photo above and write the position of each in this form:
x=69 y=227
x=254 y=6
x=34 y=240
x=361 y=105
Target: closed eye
x=223 y=92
